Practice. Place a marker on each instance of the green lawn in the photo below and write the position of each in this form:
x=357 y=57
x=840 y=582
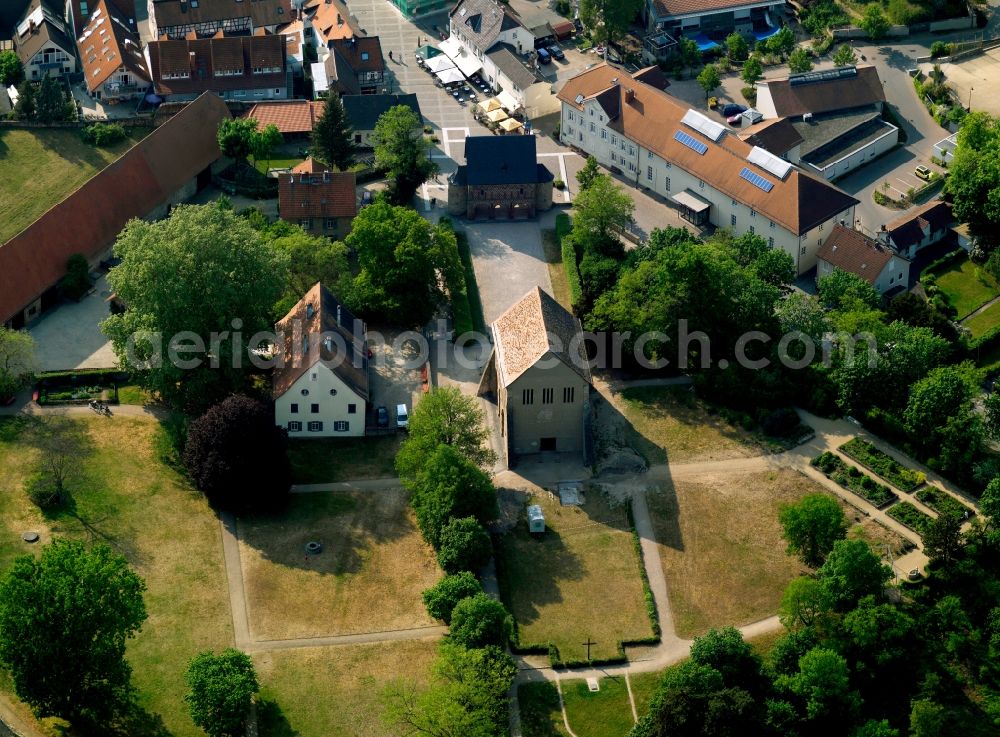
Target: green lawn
x=325 y=460
x=540 y=713
x=604 y=713
x=644 y=685
x=125 y=496
x=984 y=321
x=263 y=165
x=966 y=285
x=471 y=285
x=39 y=168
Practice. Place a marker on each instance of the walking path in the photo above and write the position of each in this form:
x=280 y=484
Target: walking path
x=981 y=308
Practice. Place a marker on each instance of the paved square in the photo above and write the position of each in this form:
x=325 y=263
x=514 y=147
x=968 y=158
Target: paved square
x=508 y=260
x=979 y=75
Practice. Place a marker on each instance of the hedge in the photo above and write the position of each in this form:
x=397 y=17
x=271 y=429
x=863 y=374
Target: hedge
x=654 y=617
x=943 y=503
x=882 y=464
x=851 y=478
x=458 y=290
x=943 y=261
x=471 y=285
x=569 y=257
x=908 y=515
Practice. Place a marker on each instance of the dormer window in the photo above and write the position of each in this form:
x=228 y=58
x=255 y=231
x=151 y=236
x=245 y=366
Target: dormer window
x=310 y=310
x=364 y=56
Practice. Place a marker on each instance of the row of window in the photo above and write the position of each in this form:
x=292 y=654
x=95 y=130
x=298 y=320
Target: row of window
x=328 y=223
x=314 y=408
x=317 y=426
x=548 y=395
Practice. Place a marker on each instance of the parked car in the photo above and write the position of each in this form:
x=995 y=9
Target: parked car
x=366 y=198
x=402 y=418
x=556 y=52
x=735 y=120
x=923 y=172
x=544 y=57
x=732 y=109
x=382 y=417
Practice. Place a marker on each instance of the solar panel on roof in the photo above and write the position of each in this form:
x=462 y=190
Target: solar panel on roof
x=691 y=143
x=709 y=128
x=769 y=162
x=756 y=179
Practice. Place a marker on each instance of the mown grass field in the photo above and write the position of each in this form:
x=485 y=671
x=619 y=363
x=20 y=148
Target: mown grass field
x=966 y=285
x=604 y=713
x=39 y=168
x=984 y=321
x=581 y=579
x=326 y=460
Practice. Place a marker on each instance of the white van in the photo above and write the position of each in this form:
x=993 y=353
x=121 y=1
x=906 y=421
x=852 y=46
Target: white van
x=402 y=419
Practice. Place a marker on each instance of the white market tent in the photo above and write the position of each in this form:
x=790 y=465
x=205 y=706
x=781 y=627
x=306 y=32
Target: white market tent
x=439 y=64
x=450 y=75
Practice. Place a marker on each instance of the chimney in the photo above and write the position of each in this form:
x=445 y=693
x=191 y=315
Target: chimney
x=184 y=6
x=326 y=176
x=629 y=95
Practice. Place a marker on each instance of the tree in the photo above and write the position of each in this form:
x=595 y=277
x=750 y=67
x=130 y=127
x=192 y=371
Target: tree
x=689 y=52
x=874 y=23
x=11 y=68
x=812 y=526
x=402 y=152
x=588 y=174
x=774 y=267
x=782 y=42
x=480 y=621
x=753 y=70
x=204 y=271
x=799 y=61
x=237 y=456
x=601 y=211
x=65 y=618
x=726 y=651
x=264 y=141
x=943 y=539
x=310 y=259
x=823 y=682
x=449 y=485
x=220 y=691
x=62 y=445
x=737 y=46
x=975 y=176
x=236 y=138
x=803 y=603
x=332 y=136
x=51 y=103
x=441 y=598
x=27 y=102
x=851 y=572
x=927 y=719
x=991 y=420
x=844 y=56
x=989 y=504
x=608 y=20
x=709 y=79
x=401 y=256
x=76 y=282
x=945 y=393
x=839 y=288
x=465 y=546
x=17 y=360
x=444 y=416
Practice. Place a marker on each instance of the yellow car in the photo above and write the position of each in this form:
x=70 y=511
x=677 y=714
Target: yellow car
x=923 y=172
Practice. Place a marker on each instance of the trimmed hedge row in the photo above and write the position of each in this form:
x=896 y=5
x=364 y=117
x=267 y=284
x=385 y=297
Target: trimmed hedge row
x=945 y=260
x=458 y=290
x=852 y=479
x=471 y=285
x=908 y=515
x=569 y=256
x=882 y=464
x=647 y=591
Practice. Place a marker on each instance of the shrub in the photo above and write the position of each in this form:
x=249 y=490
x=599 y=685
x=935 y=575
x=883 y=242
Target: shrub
x=44 y=493
x=943 y=503
x=559 y=184
x=479 y=621
x=941 y=48
x=441 y=598
x=567 y=247
x=906 y=514
x=76 y=282
x=780 y=423
x=104 y=134
x=465 y=546
x=882 y=464
x=749 y=94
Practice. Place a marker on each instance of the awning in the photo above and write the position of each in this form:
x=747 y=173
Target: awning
x=496 y=116
x=450 y=46
x=467 y=64
x=427 y=52
x=320 y=82
x=448 y=76
x=488 y=106
x=508 y=101
x=691 y=201
x=510 y=125
x=439 y=64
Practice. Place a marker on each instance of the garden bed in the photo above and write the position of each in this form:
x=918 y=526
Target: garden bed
x=943 y=503
x=854 y=480
x=908 y=515
x=882 y=464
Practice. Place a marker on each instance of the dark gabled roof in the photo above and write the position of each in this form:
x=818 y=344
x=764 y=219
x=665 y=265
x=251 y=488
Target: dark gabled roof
x=818 y=201
x=201 y=57
x=500 y=160
x=171 y=13
x=11 y=11
x=363 y=111
x=610 y=101
x=362 y=53
x=653 y=76
x=825 y=91
x=852 y=251
x=777 y=136
x=90 y=219
x=482 y=21
x=311 y=190
x=907 y=230
x=507 y=62
x=39 y=26
x=315 y=317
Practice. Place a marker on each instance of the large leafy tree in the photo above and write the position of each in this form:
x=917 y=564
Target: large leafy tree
x=608 y=20
x=332 y=136
x=220 y=691
x=726 y=651
x=974 y=183
x=236 y=138
x=480 y=621
x=851 y=572
x=944 y=395
x=448 y=486
x=737 y=46
x=782 y=42
x=65 y=618
x=874 y=23
x=310 y=259
x=237 y=455
x=200 y=273
x=444 y=416
x=812 y=525
x=11 y=68
x=844 y=56
x=441 y=598
x=403 y=152
x=601 y=210
x=17 y=360
x=709 y=79
x=753 y=70
x=837 y=288
x=51 y=103
x=264 y=141
x=465 y=546
x=401 y=256
x=824 y=684
x=800 y=61
x=588 y=174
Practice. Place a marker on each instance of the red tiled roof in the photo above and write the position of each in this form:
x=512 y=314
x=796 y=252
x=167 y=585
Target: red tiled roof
x=108 y=42
x=362 y=53
x=290 y=116
x=90 y=219
x=852 y=251
x=313 y=191
x=201 y=58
